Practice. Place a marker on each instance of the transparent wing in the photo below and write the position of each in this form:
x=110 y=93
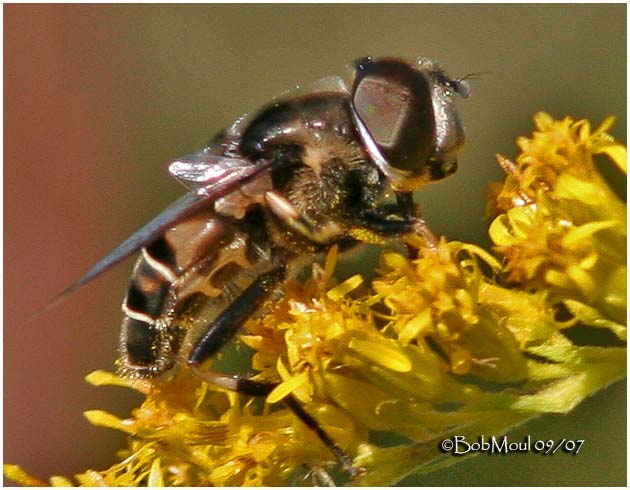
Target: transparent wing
x=209 y=187
x=205 y=168
x=332 y=83
x=208 y=176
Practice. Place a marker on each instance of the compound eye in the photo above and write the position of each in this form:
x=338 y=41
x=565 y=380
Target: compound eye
x=393 y=101
x=384 y=107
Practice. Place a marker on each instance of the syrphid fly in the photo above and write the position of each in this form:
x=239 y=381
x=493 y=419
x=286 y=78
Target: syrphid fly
x=279 y=186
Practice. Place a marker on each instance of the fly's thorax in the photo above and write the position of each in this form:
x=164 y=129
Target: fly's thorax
x=295 y=122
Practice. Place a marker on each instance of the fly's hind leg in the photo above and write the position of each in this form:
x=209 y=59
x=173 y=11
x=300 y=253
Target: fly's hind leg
x=224 y=328
x=263 y=388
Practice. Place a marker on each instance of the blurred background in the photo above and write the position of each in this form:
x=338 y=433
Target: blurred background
x=99 y=98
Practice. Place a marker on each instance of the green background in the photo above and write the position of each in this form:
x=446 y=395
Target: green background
x=98 y=99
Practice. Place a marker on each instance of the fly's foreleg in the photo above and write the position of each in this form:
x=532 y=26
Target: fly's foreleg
x=406 y=205
x=379 y=220
x=410 y=210
x=406 y=219
x=225 y=327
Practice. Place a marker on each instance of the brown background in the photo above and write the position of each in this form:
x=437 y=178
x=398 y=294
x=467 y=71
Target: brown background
x=98 y=99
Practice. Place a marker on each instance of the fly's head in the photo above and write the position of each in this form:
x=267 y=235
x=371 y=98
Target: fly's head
x=406 y=119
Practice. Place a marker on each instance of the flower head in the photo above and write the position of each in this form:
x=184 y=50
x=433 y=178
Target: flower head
x=561 y=228
x=454 y=341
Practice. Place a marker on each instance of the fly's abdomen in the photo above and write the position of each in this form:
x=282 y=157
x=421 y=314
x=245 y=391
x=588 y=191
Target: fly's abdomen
x=168 y=271
x=147 y=338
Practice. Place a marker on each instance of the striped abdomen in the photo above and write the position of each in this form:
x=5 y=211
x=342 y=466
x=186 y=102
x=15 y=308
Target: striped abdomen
x=180 y=263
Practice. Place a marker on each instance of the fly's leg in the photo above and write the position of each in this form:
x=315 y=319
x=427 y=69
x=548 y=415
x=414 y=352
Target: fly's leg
x=299 y=222
x=410 y=210
x=406 y=204
x=225 y=327
x=377 y=220
x=227 y=324
x=311 y=423
x=383 y=224
x=263 y=388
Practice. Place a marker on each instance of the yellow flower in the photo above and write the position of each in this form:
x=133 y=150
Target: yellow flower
x=455 y=341
x=563 y=229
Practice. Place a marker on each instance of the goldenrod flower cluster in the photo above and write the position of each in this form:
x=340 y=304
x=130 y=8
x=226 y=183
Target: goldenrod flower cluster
x=563 y=229
x=459 y=340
